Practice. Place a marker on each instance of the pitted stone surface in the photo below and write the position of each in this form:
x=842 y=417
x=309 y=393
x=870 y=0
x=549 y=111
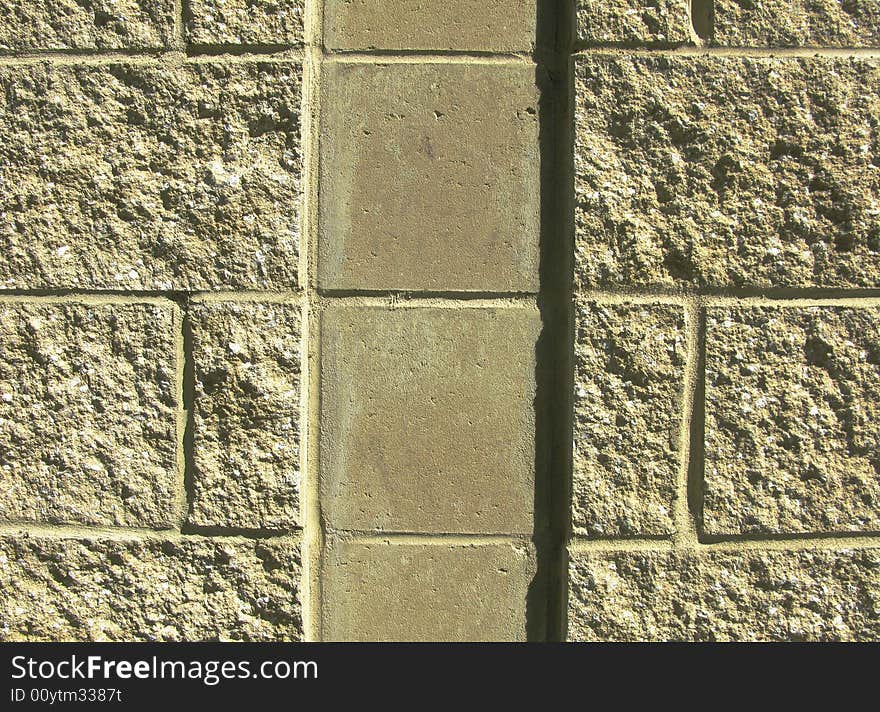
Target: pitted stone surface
x=725 y=596
x=191 y=589
x=627 y=22
x=629 y=376
x=87 y=414
x=727 y=171
x=797 y=23
x=150 y=176
x=248 y=22
x=86 y=24
x=246 y=434
x=792 y=407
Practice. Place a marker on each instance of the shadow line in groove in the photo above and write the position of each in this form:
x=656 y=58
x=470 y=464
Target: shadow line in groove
x=553 y=352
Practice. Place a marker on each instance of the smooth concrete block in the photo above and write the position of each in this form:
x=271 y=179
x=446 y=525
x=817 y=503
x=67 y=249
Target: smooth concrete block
x=426 y=592
x=475 y=25
x=429 y=177
x=428 y=419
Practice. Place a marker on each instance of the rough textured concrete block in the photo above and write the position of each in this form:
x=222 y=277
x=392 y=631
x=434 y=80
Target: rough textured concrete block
x=86 y=24
x=150 y=176
x=246 y=434
x=729 y=596
x=429 y=177
x=797 y=23
x=191 y=589
x=426 y=592
x=727 y=171
x=250 y=22
x=503 y=25
x=629 y=376
x=633 y=22
x=428 y=419
x=792 y=407
x=87 y=414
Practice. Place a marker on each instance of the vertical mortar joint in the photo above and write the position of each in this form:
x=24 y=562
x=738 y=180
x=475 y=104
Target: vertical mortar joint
x=186 y=395
x=688 y=496
x=182 y=18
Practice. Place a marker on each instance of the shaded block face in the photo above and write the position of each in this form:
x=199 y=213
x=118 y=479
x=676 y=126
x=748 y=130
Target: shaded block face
x=633 y=22
x=88 y=414
x=249 y=22
x=428 y=419
x=429 y=177
x=502 y=25
x=86 y=24
x=426 y=592
x=246 y=434
x=150 y=177
x=792 y=406
x=129 y=591
x=727 y=171
x=797 y=23
x=725 y=596
x=629 y=377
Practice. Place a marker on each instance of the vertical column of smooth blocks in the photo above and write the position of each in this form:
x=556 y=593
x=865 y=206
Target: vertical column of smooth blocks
x=426 y=592
x=251 y=22
x=792 y=405
x=246 y=414
x=117 y=589
x=86 y=24
x=428 y=419
x=88 y=414
x=428 y=182
x=429 y=177
x=427 y=426
x=151 y=175
x=727 y=171
x=629 y=378
x=469 y=25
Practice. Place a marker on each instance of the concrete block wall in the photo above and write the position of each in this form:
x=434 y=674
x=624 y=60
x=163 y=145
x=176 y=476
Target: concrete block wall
x=725 y=465
x=514 y=320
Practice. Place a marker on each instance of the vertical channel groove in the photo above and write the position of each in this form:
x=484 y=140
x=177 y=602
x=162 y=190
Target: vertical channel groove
x=545 y=610
x=186 y=17
x=690 y=443
x=186 y=396
x=313 y=539
x=703 y=18
x=697 y=453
